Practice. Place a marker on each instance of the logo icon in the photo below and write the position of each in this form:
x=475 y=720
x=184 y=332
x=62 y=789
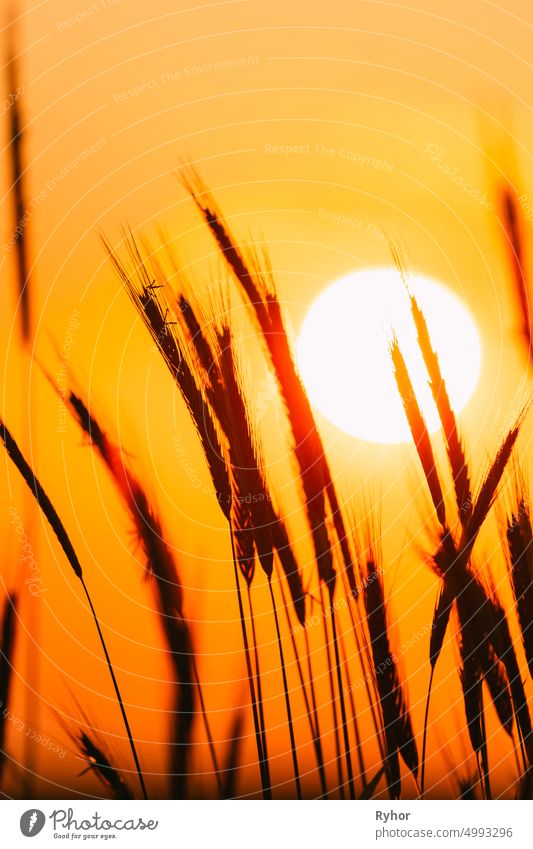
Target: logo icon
x=32 y=822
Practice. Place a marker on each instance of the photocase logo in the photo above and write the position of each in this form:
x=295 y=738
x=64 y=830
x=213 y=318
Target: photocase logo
x=32 y=822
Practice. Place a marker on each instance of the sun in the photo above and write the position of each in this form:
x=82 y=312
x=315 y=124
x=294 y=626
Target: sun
x=344 y=360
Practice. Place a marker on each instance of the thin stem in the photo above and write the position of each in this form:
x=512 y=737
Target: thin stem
x=424 y=739
x=358 y=743
x=484 y=753
x=320 y=756
x=297 y=659
x=344 y=718
x=333 y=699
x=287 y=699
x=258 y=680
x=311 y=716
x=117 y=691
x=362 y=653
x=263 y=763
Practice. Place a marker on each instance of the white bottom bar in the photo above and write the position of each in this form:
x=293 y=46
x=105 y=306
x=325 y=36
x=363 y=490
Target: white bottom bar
x=268 y=825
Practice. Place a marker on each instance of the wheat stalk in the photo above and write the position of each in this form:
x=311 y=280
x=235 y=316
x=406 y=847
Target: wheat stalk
x=395 y=713
x=57 y=526
x=520 y=561
x=7 y=647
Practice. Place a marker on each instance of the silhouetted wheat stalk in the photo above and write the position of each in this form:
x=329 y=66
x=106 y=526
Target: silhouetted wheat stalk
x=20 y=235
x=516 y=250
x=159 y=320
x=395 y=714
x=161 y=567
x=100 y=764
x=57 y=526
x=254 y=274
x=90 y=746
x=520 y=546
x=485 y=658
x=7 y=646
x=20 y=242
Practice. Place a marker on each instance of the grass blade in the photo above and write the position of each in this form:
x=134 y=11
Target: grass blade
x=419 y=430
x=7 y=648
x=57 y=526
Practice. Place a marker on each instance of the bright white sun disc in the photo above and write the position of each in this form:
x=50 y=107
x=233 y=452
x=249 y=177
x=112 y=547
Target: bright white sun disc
x=344 y=359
